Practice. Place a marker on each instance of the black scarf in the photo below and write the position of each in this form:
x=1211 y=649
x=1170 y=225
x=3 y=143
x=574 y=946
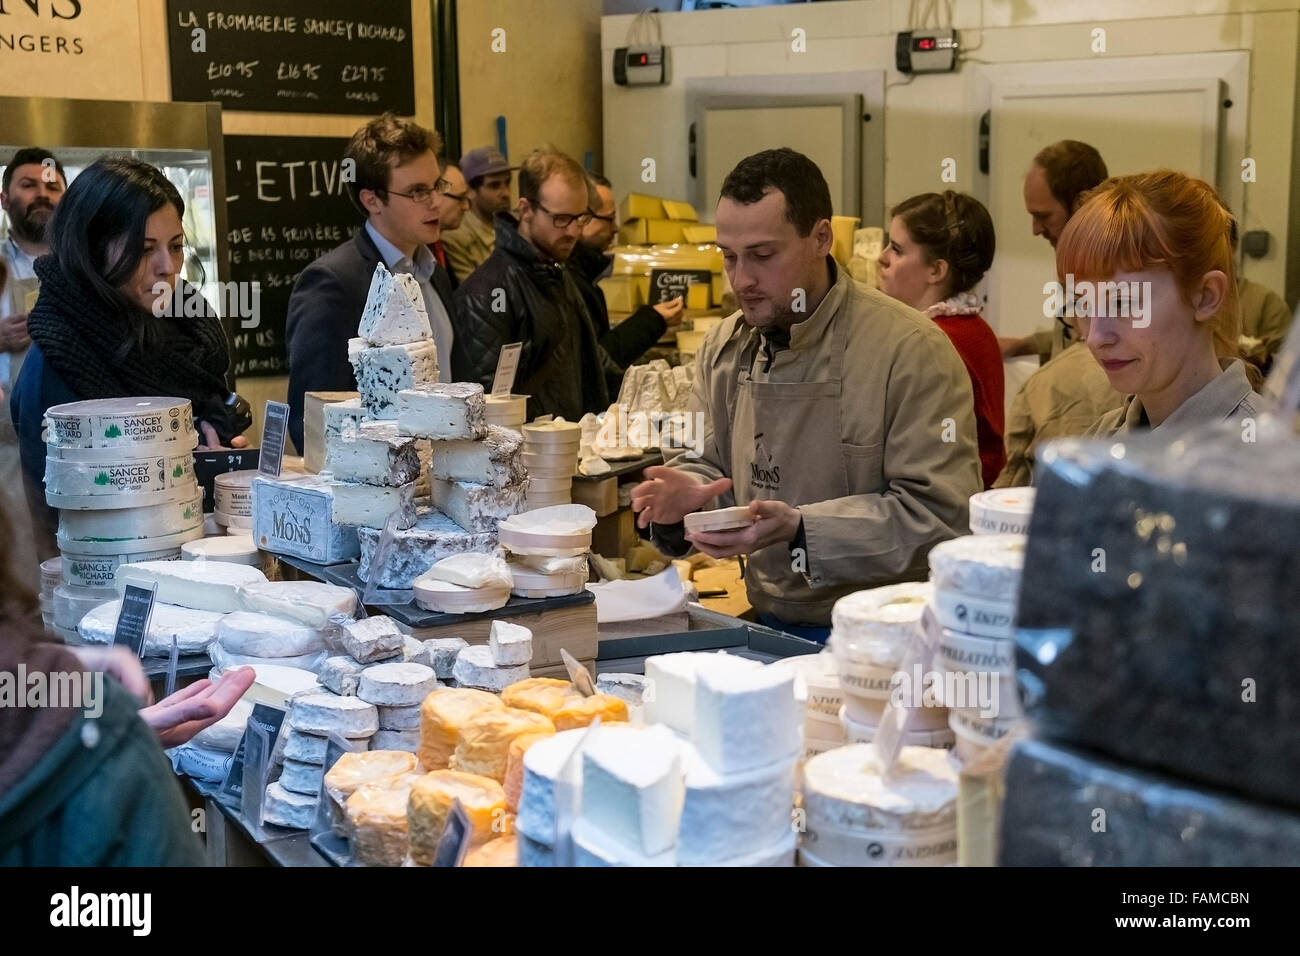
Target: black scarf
x=103 y=352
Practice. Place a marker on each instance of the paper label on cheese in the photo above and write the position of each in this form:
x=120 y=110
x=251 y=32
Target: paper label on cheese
x=970 y=614
x=839 y=847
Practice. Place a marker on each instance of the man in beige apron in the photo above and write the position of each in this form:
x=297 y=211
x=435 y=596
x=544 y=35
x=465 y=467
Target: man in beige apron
x=841 y=417
x=32 y=186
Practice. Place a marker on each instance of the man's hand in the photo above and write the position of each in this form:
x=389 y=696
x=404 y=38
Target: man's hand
x=669 y=494
x=13 y=333
x=671 y=311
x=775 y=523
x=176 y=719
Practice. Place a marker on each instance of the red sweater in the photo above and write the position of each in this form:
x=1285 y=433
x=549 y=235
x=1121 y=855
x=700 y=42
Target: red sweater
x=977 y=345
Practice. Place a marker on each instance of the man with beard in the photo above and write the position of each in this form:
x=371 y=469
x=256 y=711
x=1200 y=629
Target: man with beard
x=525 y=293
x=32 y=185
x=842 y=419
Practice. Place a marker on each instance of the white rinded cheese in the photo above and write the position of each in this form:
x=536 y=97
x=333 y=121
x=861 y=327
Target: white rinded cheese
x=311 y=748
x=226 y=733
x=543 y=763
x=372 y=639
x=126 y=483
x=394 y=312
x=987 y=566
x=230 y=548
x=330 y=714
x=202 y=585
x=124 y=423
x=472 y=570
x=261 y=635
x=407 y=741
x=633 y=789
x=452 y=410
x=370 y=505
x=746 y=720
x=443 y=652
x=673 y=678
x=295 y=516
x=397 y=685
x=288 y=809
x=385 y=371
x=130 y=524
x=300 y=777
x=875 y=627
x=493 y=461
x=1001 y=511
x=477 y=508
x=401 y=718
x=341 y=674
x=475 y=668
x=511 y=644
x=375 y=455
x=731 y=815
x=433 y=537
x=849 y=805
x=308 y=602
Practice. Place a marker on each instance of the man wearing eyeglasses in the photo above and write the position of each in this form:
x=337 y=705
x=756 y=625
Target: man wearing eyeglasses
x=524 y=292
x=398 y=187
x=452 y=206
x=628 y=340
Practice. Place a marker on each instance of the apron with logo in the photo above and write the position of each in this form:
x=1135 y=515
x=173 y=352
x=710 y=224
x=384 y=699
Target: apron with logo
x=786 y=446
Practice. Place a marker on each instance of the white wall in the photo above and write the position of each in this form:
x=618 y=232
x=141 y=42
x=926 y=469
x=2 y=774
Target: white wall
x=936 y=116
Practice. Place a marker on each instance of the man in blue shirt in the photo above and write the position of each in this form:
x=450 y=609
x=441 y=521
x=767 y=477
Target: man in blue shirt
x=397 y=185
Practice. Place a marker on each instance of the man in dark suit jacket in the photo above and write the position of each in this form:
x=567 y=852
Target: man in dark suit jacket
x=398 y=184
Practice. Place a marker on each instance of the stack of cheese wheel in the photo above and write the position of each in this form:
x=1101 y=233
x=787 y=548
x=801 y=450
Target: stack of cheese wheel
x=858 y=816
x=818 y=690
x=550 y=458
x=547 y=549
x=121 y=473
x=508 y=411
x=976 y=584
x=51 y=578
x=871 y=632
x=233 y=497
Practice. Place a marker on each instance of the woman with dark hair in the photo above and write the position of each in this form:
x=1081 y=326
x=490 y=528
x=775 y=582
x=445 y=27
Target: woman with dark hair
x=938 y=247
x=111 y=320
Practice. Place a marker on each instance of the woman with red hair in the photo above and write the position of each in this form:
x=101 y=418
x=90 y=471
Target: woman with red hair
x=1149 y=259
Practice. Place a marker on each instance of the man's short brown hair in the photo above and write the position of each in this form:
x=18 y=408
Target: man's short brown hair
x=1072 y=168
x=541 y=165
x=386 y=141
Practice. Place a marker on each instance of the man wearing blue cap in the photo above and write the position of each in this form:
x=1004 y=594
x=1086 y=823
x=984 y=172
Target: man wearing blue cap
x=487 y=173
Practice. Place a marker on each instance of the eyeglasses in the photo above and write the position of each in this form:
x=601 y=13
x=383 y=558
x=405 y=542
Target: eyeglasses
x=422 y=194
x=563 y=220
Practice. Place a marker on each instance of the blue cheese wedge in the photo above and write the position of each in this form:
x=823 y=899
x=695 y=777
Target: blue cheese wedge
x=373 y=453
x=394 y=312
x=442 y=411
x=383 y=371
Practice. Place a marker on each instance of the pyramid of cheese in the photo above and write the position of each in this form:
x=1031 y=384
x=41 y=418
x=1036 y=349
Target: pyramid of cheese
x=377 y=825
x=483 y=744
x=430 y=804
x=503 y=851
x=442 y=716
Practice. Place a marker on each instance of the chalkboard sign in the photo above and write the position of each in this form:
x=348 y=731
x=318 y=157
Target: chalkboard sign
x=669 y=284
x=305 y=56
x=285 y=208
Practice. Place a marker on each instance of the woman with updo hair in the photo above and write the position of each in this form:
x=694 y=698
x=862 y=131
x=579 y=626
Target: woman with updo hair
x=1169 y=340
x=939 y=246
